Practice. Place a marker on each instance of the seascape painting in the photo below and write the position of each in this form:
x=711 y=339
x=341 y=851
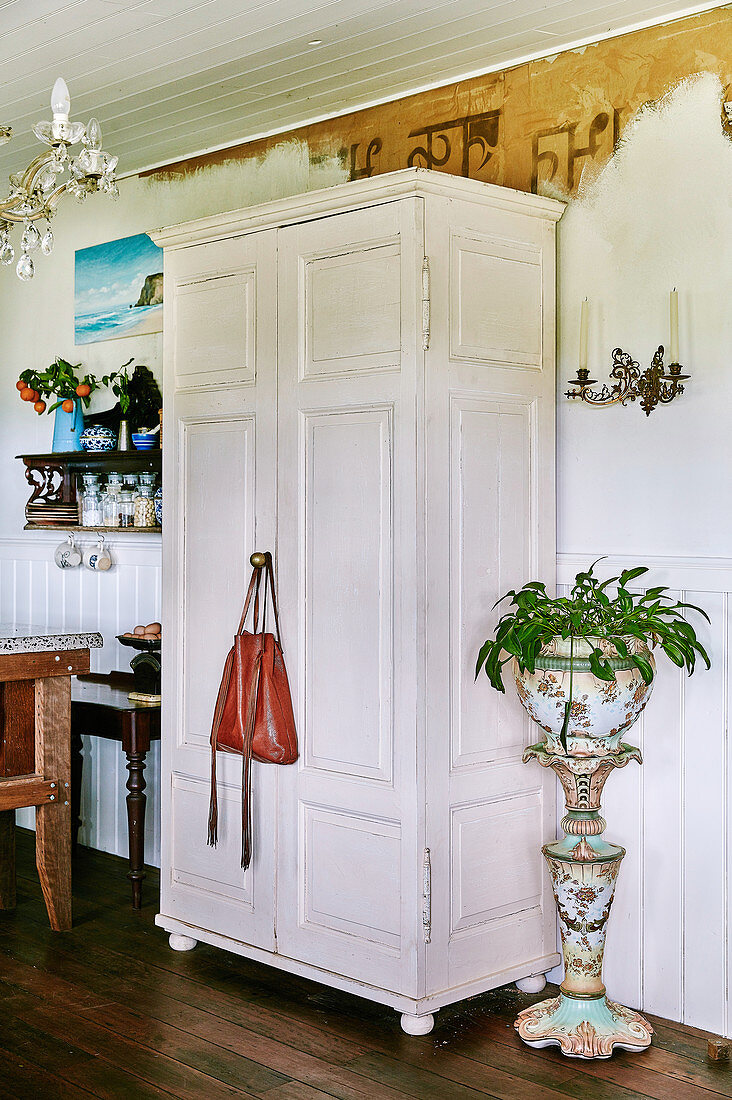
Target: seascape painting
x=118 y=290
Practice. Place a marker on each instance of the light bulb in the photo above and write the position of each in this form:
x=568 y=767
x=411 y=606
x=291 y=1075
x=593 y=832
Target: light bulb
x=94 y=135
x=60 y=99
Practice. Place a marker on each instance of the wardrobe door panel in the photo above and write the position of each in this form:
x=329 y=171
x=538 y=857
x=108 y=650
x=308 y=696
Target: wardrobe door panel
x=353 y=304
x=347 y=865
x=489 y=384
x=349 y=610
x=214 y=310
x=215 y=566
x=220 y=500
x=495 y=300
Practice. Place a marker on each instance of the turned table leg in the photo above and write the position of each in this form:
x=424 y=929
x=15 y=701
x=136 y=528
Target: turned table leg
x=53 y=819
x=7 y=859
x=136 y=802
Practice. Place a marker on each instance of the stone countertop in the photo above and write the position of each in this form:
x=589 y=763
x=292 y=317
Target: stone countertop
x=22 y=638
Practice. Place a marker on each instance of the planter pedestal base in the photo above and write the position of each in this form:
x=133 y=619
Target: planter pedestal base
x=583 y=1028
x=581 y=1021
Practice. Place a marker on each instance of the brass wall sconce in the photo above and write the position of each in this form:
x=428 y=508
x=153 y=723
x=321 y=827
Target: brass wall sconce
x=655 y=385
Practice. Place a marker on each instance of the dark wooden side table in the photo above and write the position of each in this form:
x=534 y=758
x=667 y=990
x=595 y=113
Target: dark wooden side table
x=100 y=708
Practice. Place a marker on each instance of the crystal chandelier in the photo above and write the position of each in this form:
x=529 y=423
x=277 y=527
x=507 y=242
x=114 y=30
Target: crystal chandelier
x=35 y=194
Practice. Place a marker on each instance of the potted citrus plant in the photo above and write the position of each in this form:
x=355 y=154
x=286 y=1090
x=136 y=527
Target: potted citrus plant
x=61 y=381
x=584 y=671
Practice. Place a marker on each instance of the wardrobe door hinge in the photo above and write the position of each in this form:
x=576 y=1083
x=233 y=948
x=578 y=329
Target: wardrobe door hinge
x=427 y=896
x=425 y=304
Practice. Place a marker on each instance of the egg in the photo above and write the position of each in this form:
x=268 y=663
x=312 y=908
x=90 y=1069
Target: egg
x=139 y=630
x=154 y=628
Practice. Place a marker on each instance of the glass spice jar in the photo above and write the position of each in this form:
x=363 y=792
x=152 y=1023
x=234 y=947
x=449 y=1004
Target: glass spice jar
x=110 y=501
x=91 y=508
x=126 y=508
x=144 y=507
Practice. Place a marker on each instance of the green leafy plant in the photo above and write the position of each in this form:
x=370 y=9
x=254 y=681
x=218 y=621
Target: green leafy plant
x=591 y=611
x=119 y=383
x=59 y=380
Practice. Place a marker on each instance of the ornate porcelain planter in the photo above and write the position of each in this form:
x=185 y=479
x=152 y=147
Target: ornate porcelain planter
x=602 y=710
x=584 y=868
x=581 y=1021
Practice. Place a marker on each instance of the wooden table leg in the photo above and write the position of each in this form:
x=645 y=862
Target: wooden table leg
x=7 y=859
x=53 y=820
x=136 y=802
x=77 y=775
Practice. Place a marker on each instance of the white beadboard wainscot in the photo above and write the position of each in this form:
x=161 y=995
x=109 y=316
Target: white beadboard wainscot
x=34 y=590
x=669 y=944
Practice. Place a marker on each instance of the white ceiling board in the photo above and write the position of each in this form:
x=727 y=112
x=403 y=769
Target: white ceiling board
x=172 y=78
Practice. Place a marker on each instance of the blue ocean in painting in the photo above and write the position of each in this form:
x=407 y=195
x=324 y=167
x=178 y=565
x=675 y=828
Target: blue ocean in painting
x=112 y=323
x=109 y=279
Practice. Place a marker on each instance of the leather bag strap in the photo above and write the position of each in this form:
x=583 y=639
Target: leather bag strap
x=270 y=575
x=253 y=589
x=246 y=766
x=213 y=810
x=255 y=583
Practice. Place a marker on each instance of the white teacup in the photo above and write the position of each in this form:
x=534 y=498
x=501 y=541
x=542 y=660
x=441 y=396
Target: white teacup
x=98 y=557
x=67 y=555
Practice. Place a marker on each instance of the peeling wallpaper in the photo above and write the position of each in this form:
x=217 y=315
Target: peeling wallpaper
x=535 y=127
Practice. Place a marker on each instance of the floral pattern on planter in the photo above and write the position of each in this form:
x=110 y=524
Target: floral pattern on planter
x=601 y=711
x=583 y=892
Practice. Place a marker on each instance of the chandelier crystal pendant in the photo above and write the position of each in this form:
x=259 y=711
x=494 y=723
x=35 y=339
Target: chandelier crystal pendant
x=35 y=193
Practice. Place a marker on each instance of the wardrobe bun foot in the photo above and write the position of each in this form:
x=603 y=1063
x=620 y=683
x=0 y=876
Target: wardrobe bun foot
x=534 y=984
x=181 y=943
x=417 y=1025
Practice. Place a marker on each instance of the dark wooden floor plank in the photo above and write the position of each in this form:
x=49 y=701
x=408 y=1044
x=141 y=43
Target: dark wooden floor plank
x=55 y=1057
x=123 y=1059
x=193 y=961
x=296 y=1090
x=149 y=1030
x=113 y=977
x=221 y=1060
x=111 y=1003
x=21 y=1079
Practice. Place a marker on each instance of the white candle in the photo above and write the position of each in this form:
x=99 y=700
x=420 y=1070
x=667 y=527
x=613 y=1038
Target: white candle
x=584 y=324
x=673 y=349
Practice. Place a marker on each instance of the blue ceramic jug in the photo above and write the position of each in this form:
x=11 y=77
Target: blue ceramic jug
x=67 y=429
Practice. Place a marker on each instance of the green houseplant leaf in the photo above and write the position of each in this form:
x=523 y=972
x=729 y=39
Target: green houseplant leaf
x=592 y=611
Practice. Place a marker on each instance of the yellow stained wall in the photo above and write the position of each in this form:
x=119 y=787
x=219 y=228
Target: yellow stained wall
x=534 y=127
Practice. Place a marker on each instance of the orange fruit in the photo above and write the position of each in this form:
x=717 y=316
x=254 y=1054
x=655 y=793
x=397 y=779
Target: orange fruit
x=83 y=390
x=36 y=395
x=68 y=405
x=20 y=384
x=40 y=406
x=27 y=394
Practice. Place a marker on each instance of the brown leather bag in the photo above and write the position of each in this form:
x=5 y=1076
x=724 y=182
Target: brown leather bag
x=253 y=714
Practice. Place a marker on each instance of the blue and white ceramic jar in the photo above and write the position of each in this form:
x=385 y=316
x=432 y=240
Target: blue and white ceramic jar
x=158 y=499
x=98 y=438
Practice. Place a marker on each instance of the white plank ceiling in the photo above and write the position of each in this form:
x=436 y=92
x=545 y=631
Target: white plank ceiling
x=171 y=78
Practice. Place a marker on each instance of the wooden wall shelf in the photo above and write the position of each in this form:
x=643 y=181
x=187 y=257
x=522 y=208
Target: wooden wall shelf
x=94 y=530
x=53 y=477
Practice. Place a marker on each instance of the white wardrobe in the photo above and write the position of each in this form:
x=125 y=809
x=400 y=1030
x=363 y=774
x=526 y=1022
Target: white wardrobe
x=361 y=380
